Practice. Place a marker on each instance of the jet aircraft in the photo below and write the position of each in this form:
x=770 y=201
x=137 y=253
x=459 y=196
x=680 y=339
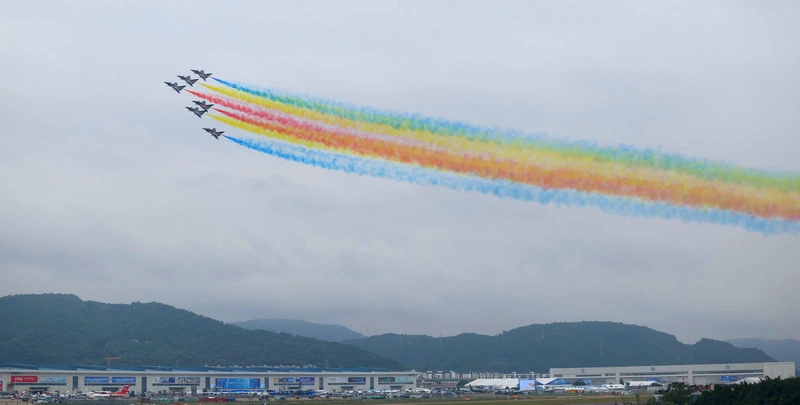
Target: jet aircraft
x=175 y=86
x=188 y=79
x=203 y=105
x=202 y=74
x=198 y=112
x=214 y=132
x=109 y=394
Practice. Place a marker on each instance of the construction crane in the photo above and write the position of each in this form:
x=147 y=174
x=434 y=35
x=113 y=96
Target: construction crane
x=108 y=360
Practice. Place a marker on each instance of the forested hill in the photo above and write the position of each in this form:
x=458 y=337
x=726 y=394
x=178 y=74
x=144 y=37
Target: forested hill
x=540 y=347
x=331 y=333
x=63 y=329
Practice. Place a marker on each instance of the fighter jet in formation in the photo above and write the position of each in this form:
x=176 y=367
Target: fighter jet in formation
x=198 y=112
x=188 y=79
x=175 y=86
x=214 y=132
x=202 y=74
x=205 y=106
x=202 y=106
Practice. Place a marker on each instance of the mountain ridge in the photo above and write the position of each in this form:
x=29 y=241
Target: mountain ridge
x=539 y=347
x=63 y=329
x=328 y=332
x=780 y=349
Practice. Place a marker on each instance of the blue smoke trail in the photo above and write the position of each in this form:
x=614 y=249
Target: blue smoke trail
x=644 y=156
x=507 y=189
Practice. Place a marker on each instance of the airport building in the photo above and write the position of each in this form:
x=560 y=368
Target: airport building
x=696 y=374
x=73 y=379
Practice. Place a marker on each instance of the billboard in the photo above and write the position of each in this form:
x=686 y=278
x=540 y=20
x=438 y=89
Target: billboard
x=293 y=380
x=347 y=380
x=238 y=383
x=123 y=380
x=53 y=379
x=1 y=385
x=395 y=380
x=527 y=385
x=95 y=380
x=24 y=379
x=176 y=380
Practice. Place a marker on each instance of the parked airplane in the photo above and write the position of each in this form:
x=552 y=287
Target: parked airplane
x=203 y=104
x=214 y=132
x=198 y=112
x=175 y=86
x=188 y=79
x=202 y=74
x=109 y=394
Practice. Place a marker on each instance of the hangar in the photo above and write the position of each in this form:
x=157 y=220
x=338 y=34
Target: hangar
x=81 y=378
x=694 y=374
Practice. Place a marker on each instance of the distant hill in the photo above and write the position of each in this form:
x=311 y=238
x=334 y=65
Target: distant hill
x=331 y=333
x=63 y=329
x=540 y=347
x=781 y=350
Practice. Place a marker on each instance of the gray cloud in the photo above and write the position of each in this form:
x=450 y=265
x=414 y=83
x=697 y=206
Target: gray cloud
x=108 y=190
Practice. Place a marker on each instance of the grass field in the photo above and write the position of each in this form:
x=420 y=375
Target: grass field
x=545 y=400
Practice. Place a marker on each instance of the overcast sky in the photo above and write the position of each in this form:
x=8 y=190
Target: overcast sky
x=110 y=190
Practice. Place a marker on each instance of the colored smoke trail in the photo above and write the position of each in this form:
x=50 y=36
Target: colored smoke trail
x=520 y=172
x=784 y=181
x=507 y=189
x=679 y=187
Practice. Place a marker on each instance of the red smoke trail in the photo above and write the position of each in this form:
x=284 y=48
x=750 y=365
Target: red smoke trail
x=523 y=172
x=310 y=124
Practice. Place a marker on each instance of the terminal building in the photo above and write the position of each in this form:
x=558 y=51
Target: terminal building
x=73 y=379
x=696 y=374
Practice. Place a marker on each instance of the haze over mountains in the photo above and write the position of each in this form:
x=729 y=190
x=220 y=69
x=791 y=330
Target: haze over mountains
x=779 y=349
x=331 y=333
x=62 y=329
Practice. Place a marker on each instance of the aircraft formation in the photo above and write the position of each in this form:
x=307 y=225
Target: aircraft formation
x=202 y=106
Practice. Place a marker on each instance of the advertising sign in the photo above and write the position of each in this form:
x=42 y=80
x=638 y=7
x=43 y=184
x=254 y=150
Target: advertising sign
x=1 y=385
x=53 y=379
x=123 y=380
x=527 y=385
x=94 y=380
x=347 y=380
x=238 y=383
x=395 y=380
x=176 y=380
x=283 y=380
x=305 y=380
x=24 y=379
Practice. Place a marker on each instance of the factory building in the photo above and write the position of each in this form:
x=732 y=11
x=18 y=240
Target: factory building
x=73 y=379
x=695 y=374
